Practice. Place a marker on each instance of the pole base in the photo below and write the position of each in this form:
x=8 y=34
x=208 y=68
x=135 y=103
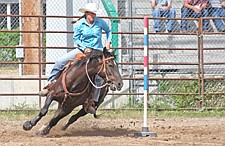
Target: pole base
x=145 y=132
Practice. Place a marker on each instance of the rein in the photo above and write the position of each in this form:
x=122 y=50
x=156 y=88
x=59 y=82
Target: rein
x=102 y=67
x=67 y=93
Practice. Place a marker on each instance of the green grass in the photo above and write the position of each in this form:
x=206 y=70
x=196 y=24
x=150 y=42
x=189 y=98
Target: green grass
x=191 y=114
x=17 y=115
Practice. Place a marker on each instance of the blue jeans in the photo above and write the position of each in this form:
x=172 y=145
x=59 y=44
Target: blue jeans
x=98 y=82
x=158 y=12
x=62 y=61
x=186 y=12
x=218 y=12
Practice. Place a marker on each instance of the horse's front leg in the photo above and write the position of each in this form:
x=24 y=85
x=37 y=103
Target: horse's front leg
x=74 y=118
x=60 y=113
x=30 y=123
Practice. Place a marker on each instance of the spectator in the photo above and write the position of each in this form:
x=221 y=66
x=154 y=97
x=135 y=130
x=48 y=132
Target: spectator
x=163 y=8
x=195 y=9
x=217 y=9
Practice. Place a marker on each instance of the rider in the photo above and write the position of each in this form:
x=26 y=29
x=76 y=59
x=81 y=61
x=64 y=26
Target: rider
x=87 y=34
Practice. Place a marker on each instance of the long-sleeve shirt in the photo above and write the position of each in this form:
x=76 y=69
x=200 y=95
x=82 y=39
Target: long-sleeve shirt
x=216 y=3
x=196 y=2
x=86 y=36
x=161 y=2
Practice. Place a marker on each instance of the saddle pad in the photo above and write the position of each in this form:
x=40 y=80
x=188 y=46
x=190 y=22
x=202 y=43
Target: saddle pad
x=80 y=55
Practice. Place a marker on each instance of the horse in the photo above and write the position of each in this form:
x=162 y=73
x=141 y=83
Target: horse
x=75 y=87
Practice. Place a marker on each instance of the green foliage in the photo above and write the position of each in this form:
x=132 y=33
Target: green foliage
x=215 y=100
x=174 y=86
x=192 y=114
x=24 y=106
x=8 y=39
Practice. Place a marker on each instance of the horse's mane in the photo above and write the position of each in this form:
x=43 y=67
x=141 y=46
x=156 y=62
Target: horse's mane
x=95 y=54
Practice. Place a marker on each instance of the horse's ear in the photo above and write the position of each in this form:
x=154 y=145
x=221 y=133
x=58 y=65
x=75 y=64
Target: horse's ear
x=105 y=50
x=111 y=51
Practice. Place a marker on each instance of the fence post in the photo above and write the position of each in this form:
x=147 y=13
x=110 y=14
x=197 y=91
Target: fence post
x=201 y=55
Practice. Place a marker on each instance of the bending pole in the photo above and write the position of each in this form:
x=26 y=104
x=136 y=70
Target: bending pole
x=145 y=131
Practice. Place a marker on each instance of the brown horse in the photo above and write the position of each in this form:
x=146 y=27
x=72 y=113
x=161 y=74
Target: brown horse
x=75 y=87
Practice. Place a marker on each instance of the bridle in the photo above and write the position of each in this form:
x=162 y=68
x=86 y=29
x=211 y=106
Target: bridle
x=103 y=67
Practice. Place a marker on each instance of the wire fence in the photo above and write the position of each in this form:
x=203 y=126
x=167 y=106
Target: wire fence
x=184 y=68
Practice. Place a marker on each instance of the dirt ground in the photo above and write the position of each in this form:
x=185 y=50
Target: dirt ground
x=88 y=131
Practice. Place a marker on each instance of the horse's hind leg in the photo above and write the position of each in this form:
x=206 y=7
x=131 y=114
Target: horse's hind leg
x=60 y=113
x=74 y=118
x=30 y=123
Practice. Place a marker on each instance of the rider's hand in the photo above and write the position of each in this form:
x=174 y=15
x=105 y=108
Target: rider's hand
x=108 y=45
x=87 y=51
x=223 y=4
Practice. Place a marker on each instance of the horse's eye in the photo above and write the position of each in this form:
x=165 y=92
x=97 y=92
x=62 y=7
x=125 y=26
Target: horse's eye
x=111 y=65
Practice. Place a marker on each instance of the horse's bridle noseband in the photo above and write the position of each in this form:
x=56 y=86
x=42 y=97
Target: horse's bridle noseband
x=104 y=70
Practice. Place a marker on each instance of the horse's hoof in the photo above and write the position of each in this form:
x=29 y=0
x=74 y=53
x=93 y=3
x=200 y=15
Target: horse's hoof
x=95 y=116
x=27 y=125
x=40 y=133
x=44 y=130
x=91 y=110
x=43 y=92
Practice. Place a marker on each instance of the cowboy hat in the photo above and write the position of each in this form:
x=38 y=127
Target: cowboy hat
x=90 y=7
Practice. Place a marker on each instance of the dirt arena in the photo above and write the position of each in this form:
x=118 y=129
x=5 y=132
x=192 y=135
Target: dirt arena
x=117 y=131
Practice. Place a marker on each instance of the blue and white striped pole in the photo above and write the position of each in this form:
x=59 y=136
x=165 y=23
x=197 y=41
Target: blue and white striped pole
x=145 y=130
x=146 y=87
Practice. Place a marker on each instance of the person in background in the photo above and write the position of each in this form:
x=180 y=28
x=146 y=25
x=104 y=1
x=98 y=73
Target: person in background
x=194 y=9
x=87 y=34
x=217 y=9
x=163 y=8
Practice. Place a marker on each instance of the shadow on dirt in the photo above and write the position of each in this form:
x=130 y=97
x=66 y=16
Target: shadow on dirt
x=95 y=132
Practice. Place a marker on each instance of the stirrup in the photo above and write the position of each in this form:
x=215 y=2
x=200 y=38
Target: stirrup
x=45 y=90
x=49 y=84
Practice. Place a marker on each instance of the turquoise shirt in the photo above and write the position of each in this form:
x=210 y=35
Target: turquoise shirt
x=86 y=36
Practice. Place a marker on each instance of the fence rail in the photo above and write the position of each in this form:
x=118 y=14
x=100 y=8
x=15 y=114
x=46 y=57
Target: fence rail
x=184 y=68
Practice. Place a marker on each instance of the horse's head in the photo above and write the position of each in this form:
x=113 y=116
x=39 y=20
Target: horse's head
x=109 y=70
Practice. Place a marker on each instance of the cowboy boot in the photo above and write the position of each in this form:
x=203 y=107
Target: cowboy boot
x=45 y=90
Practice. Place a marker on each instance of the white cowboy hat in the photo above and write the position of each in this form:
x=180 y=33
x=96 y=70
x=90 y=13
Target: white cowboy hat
x=90 y=7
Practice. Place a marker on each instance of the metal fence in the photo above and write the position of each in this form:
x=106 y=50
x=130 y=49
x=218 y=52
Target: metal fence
x=186 y=70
